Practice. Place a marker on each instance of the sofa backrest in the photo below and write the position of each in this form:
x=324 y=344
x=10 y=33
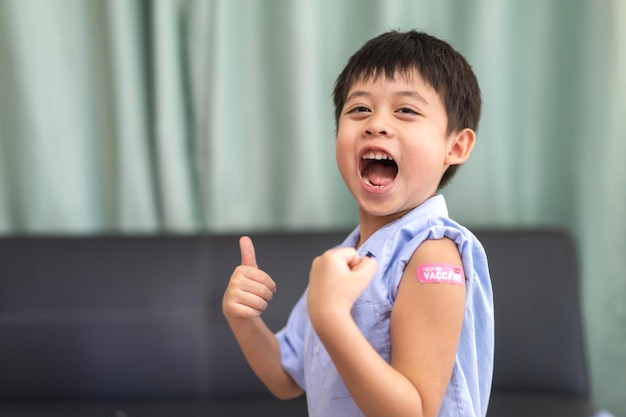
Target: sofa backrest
x=540 y=344
x=133 y=316
x=103 y=316
x=140 y=316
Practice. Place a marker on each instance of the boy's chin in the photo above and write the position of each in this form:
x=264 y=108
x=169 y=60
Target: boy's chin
x=388 y=213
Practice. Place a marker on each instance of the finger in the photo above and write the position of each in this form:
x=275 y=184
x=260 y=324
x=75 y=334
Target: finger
x=259 y=289
x=254 y=302
x=348 y=256
x=245 y=273
x=366 y=266
x=356 y=263
x=248 y=256
x=243 y=306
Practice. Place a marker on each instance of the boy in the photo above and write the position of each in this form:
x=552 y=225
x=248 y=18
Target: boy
x=397 y=321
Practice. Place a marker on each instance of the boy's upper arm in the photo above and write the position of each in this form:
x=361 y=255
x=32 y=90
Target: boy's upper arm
x=426 y=322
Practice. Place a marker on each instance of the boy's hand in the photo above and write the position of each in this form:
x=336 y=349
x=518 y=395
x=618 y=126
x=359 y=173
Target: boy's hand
x=249 y=289
x=336 y=280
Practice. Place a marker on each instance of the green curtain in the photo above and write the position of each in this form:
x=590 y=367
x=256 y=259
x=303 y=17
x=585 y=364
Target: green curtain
x=179 y=116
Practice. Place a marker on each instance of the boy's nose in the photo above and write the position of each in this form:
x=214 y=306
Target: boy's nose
x=378 y=126
x=375 y=131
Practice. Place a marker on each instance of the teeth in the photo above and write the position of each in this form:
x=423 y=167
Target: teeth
x=377 y=156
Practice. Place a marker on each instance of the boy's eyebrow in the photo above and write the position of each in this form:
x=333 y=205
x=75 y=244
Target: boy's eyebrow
x=413 y=94
x=356 y=94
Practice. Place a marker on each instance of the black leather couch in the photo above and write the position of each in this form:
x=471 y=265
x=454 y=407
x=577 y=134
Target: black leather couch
x=132 y=326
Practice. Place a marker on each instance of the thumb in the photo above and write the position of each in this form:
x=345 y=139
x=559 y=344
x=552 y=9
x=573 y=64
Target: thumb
x=365 y=265
x=248 y=256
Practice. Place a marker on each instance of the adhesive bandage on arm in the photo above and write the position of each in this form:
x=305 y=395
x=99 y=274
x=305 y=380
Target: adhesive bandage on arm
x=440 y=273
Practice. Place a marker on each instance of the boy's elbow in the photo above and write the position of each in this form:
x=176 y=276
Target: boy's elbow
x=286 y=391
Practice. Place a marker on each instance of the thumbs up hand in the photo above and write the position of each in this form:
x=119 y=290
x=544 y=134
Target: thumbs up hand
x=249 y=289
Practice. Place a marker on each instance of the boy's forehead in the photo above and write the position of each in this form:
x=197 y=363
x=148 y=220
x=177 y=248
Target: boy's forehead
x=411 y=76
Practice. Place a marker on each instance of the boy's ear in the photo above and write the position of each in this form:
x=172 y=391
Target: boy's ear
x=460 y=148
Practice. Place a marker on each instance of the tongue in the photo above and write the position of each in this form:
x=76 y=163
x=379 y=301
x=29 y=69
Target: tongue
x=380 y=174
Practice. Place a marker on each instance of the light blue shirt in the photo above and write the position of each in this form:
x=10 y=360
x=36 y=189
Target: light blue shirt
x=305 y=359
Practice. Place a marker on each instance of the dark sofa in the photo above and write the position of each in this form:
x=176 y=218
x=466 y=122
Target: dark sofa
x=132 y=325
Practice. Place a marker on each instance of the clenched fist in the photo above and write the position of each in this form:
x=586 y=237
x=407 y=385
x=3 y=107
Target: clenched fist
x=336 y=280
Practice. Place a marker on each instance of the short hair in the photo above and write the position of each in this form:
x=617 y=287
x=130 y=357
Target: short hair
x=441 y=66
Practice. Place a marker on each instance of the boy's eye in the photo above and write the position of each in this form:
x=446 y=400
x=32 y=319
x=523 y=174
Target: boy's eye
x=359 y=109
x=407 y=110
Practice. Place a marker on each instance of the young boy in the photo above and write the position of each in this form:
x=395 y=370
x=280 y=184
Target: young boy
x=397 y=321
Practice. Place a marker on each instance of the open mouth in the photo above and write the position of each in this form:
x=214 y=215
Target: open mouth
x=378 y=169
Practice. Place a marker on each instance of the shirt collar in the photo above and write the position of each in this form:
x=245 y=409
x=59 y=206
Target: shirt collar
x=435 y=205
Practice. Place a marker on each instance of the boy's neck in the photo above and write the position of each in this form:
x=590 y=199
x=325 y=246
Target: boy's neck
x=370 y=224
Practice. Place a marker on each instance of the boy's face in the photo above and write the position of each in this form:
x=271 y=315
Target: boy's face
x=391 y=144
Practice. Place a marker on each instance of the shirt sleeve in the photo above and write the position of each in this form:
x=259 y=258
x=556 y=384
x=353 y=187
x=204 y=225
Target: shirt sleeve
x=291 y=341
x=435 y=231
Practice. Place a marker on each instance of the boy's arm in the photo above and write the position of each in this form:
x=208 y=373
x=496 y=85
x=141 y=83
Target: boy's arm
x=246 y=297
x=425 y=326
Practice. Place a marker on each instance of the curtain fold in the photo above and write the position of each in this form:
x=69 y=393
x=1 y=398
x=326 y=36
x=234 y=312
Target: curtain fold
x=49 y=173
x=133 y=195
x=173 y=149
x=181 y=116
x=601 y=204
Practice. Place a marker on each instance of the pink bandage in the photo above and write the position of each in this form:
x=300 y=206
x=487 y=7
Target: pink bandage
x=429 y=273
